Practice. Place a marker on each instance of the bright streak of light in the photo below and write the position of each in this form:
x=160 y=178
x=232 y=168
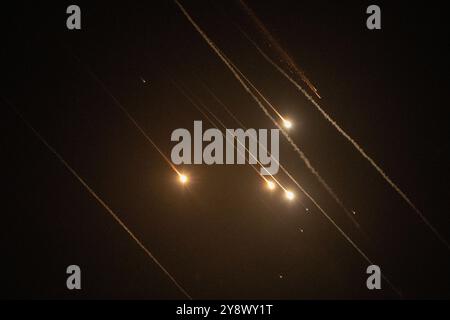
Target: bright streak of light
x=197 y=104
x=281 y=52
x=241 y=77
x=100 y=201
x=353 y=142
x=127 y=113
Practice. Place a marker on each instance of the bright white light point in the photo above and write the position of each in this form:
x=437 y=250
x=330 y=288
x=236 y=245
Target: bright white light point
x=287 y=124
x=270 y=185
x=307 y=209
x=353 y=211
x=289 y=195
x=183 y=178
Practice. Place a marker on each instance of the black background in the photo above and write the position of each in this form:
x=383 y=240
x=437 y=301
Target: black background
x=224 y=236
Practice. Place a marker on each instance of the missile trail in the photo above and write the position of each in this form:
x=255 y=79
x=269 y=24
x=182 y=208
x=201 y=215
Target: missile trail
x=257 y=91
x=128 y=115
x=237 y=75
x=353 y=143
x=281 y=52
x=259 y=144
x=242 y=125
x=307 y=195
x=100 y=201
x=223 y=105
x=249 y=152
x=190 y=97
x=217 y=51
x=244 y=81
x=302 y=155
x=353 y=244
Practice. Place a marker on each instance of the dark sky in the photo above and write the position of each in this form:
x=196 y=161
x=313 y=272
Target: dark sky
x=222 y=236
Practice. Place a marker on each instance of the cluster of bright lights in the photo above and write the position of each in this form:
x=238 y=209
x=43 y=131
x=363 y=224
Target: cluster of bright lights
x=269 y=183
x=272 y=186
x=183 y=179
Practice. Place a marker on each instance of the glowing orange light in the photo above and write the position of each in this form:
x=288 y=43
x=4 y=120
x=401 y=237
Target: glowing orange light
x=271 y=185
x=183 y=179
x=289 y=195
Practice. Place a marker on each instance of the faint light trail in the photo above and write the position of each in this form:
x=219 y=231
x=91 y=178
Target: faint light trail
x=286 y=123
x=243 y=126
x=281 y=52
x=349 y=240
x=285 y=134
x=100 y=201
x=199 y=105
x=128 y=115
x=245 y=82
x=361 y=151
x=224 y=59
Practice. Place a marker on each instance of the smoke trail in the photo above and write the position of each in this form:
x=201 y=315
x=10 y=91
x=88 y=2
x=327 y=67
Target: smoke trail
x=238 y=76
x=217 y=51
x=354 y=245
x=242 y=79
x=295 y=181
x=281 y=166
x=353 y=142
x=283 y=54
x=101 y=202
x=319 y=177
x=190 y=97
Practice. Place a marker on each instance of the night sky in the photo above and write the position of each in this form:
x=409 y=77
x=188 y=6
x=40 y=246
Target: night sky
x=223 y=235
